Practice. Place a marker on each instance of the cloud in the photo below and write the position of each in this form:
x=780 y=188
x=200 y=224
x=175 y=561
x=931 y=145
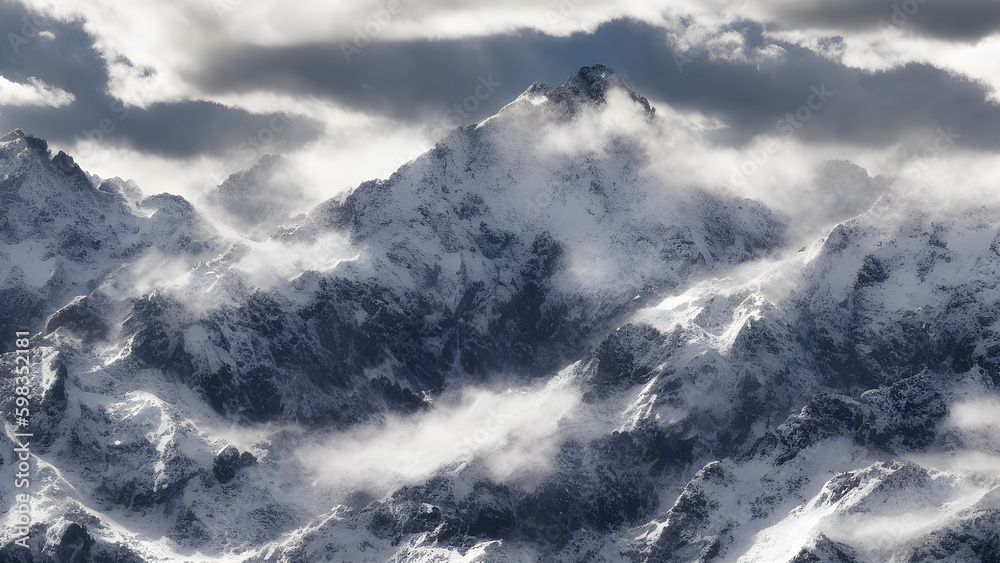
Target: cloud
x=975 y=415
x=414 y=66
x=958 y=20
x=185 y=87
x=978 y=420
x=513 y=435
x=745 y=79
x=66 y=68
x=815 y=184
x=271 y=262
x=34 y=92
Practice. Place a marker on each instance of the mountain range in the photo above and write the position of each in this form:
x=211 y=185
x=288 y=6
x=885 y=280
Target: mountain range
x=521 y=346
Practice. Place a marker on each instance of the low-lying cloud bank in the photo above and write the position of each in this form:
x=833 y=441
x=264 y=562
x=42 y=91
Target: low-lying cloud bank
x=511 y=435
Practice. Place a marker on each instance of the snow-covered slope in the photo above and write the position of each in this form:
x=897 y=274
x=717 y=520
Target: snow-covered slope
x=835 y=406
x=522 y=346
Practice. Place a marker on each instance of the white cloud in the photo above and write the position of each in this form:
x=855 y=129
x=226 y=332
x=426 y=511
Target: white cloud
x=978 y=420
x=189 y=178
x=171 y=39
x=34 y=92
x=873 y=50
x=355 y=148
x=977 y=415
x=269 y=263
x=512 y=434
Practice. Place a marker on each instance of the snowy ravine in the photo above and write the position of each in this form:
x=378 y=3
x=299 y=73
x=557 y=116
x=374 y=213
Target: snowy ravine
x=519 y=347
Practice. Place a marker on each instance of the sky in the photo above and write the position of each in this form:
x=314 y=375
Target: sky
x=813 y=106
x=179 y=95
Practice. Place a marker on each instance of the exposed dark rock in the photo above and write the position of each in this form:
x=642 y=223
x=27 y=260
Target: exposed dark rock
x=74 y=545
x=826 y=551
x=229 y=461
x=85 y=318
x=615 y=356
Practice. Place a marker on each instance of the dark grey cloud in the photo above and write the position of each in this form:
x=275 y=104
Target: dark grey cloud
x=959 y=20
x=70 y=62
x=413 y=80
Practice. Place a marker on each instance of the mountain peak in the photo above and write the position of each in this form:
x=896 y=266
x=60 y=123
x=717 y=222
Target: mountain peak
x=19 y=136
x=595 y=80
x=14 y=135
x=588 y=86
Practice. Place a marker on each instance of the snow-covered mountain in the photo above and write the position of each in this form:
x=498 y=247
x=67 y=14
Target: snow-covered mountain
x=522 y=346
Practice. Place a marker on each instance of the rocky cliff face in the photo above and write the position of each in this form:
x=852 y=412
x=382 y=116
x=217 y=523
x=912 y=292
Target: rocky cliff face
x=516 y=348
